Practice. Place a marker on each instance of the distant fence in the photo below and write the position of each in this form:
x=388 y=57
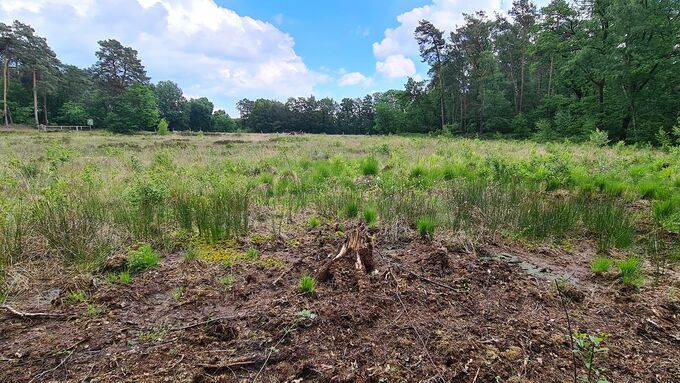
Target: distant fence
x=67 y=127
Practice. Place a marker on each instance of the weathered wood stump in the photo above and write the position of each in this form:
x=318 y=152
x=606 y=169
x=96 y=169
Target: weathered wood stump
x=358 y=247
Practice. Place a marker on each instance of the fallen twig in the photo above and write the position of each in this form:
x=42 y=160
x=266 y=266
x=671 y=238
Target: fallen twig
x=271 y=350
x=424 y=278
x=415 y=329
x=22 y=314
x=206 y=322
x=571 y=338
x=40 y=375
x=282 y=274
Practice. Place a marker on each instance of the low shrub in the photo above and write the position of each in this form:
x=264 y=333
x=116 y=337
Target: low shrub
x=143 y=258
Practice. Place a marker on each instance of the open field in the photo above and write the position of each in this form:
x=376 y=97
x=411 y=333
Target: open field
x=208 y=258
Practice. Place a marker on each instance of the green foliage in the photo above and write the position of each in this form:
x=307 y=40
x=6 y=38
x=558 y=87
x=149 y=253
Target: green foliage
x=307 y=284
x=351 y=209
x=369 y=166
x=601 y=265
x=143 y=258
x=313 y=222
x=177 y=293
x=598 y=138
x=72 y=113
x=370 y=216
x=630 y=271
x=306 y=314
x=587 y=347
x=93 y=310
x=426 y=227
x=252 y=253
x=134 y=110
x=163 y=127
x=227 y=281
x=190 y=254
x=75 y=297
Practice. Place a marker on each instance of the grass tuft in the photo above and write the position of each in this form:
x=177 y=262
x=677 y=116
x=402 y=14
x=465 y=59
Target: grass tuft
x=369 y=166
x=307 y=284
x=145 y=257
x=426 y=227
x=630 y=271
x=601 y=265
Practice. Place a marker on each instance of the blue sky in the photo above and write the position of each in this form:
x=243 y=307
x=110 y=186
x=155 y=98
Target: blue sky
x=230 y=49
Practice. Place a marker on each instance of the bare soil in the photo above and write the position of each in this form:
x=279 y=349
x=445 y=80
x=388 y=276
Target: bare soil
x=439 y=311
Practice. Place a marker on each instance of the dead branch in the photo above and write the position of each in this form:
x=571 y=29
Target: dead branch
x=571 y=338
x=271 y=350
x=22 y=314
x=197 y=324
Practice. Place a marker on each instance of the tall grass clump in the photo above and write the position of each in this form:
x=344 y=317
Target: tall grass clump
x=11 y=236
x=76 y=228
x=370 y=216
x=549 y=218
x=216 y=213
x=143 y=210
x=611 y=224
x=426 y=227
x=369 y=166
x=601 y=265
x=630 y=271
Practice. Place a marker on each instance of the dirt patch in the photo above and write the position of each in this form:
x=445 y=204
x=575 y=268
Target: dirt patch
x=422 y=312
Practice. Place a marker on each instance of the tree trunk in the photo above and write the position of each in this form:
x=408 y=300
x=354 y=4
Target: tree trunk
x=47 y=121
x=521 y=84
x=550 y=76
x=35 y=98
x=5 y=77
x=441 y=92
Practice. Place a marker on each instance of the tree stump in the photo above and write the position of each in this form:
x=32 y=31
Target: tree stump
x=358 y=247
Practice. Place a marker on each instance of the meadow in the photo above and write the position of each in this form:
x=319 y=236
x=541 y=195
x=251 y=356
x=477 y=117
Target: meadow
x=72 y=202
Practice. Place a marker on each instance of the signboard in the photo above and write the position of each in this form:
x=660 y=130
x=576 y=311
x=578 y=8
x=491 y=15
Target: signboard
x=90 y=122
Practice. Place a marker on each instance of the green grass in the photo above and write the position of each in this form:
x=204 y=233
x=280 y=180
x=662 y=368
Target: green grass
x=145 y=257
x=630 y=271
x=252 y=253
x=227 y=281
x=371 y=216
x=369 y=166
x=313 y=222
x=601 y=265
x=80 y=198
x=75 y=297
x=426 y=227
x=307 y=284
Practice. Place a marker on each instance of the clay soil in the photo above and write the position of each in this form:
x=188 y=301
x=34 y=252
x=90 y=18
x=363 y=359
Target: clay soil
x=437 y=311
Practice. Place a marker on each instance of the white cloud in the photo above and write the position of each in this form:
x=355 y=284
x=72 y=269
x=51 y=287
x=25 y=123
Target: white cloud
x=209 y=50
x=354 y=78
x=444 y=14
x=396 y=66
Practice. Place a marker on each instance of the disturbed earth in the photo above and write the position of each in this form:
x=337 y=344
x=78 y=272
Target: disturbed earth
x=443 y=310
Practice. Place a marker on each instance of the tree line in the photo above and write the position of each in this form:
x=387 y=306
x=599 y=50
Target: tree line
x=559 y=72
x=562 y=71
x=115 y=92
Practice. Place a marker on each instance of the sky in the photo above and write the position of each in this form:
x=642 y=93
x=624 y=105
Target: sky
x=227 y=50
